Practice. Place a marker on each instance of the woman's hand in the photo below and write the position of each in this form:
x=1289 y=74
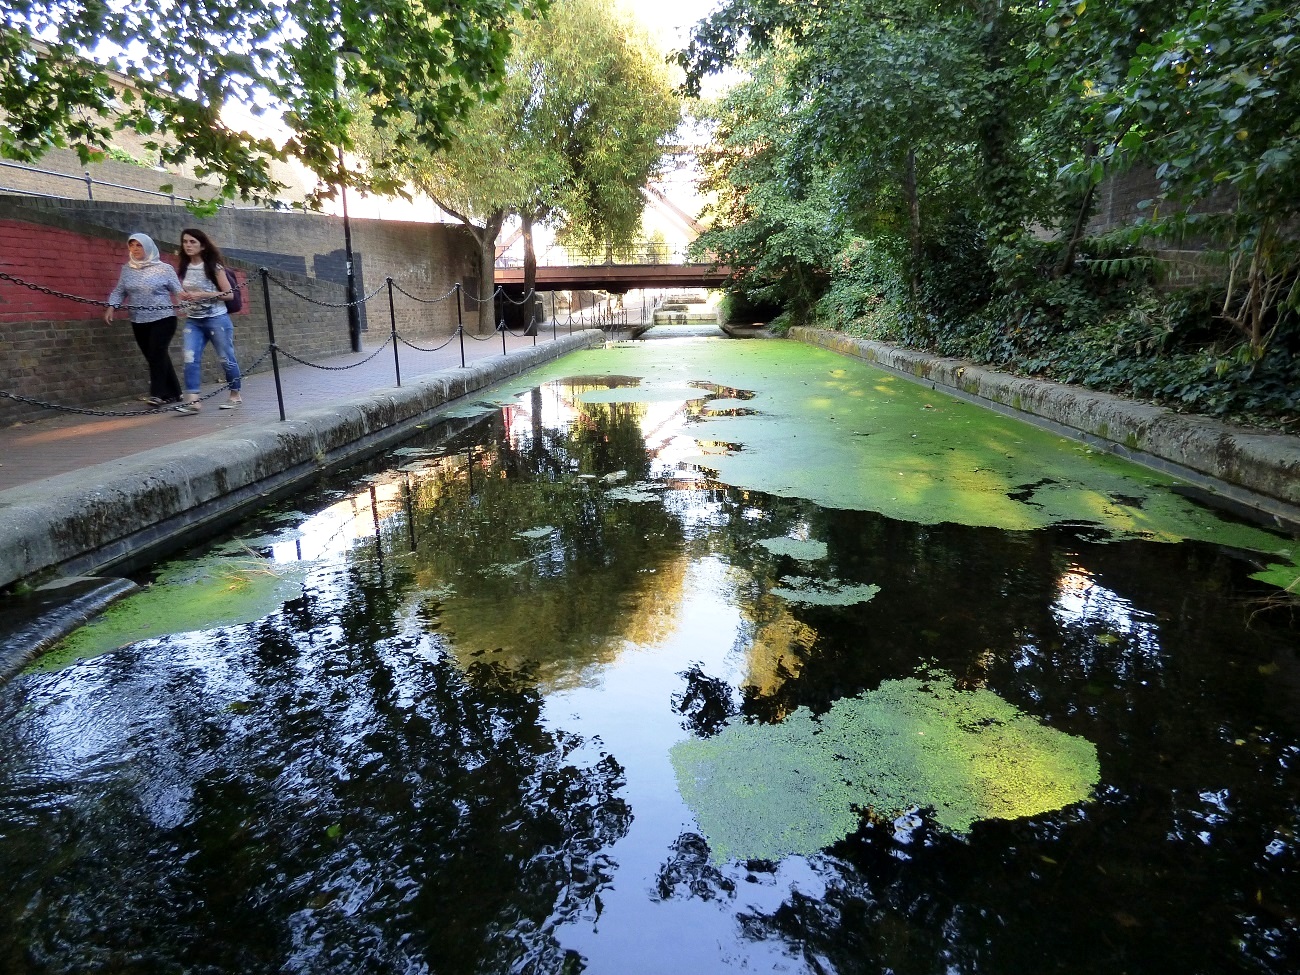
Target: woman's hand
x=108 y=315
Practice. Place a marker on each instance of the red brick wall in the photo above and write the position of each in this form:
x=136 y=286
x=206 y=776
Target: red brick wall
x=54 y=350
x=62 y=260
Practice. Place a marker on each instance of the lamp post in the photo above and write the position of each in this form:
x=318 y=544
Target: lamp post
x=354 y=313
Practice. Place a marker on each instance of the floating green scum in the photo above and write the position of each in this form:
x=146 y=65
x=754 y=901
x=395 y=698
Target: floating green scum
x=765 y=791
x=843 y=434
x=219 y=590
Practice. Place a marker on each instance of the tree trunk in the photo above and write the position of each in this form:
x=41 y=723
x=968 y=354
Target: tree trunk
x=530 y=254
x=1066 y=264
x=483 y=303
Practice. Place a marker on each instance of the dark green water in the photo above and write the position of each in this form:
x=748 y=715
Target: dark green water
x=448 y=751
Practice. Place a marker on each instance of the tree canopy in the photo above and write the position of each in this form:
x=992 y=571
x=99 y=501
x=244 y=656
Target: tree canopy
x=584 y=109
x=922 y=116
x=178 y=64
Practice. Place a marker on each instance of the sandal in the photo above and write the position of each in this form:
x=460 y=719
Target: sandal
x=151 y=400
x=189 y=409
x=232 y=404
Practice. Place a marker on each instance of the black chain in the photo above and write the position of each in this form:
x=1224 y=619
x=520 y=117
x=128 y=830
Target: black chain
x=314 y=365
x=511 y=301
x=19 y=398
x=78 y=298
x=427 y=301
x=325 y=304
x=481 y=301
x=84 y=411
x=417 y=348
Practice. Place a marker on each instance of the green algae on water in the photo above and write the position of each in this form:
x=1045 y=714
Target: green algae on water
x=765 y=791
x=1285 y=576
x=202 y=594
x=800 y=549
x=838 y=432
x=823 y=592
x=542 y=531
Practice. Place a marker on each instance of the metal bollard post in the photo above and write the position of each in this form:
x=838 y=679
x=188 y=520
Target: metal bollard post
x=555 y=323
x=460 y=326
x=392 y=325
x=270 y=334
x=90 y=186
x=502 y=326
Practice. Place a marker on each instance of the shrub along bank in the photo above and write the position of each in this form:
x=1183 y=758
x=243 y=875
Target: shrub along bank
x=1106 y=325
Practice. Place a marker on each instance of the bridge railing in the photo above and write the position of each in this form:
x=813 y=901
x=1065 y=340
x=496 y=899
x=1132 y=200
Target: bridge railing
x=635 y=255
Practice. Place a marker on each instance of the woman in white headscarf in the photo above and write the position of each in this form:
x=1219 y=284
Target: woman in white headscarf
x=151 y=288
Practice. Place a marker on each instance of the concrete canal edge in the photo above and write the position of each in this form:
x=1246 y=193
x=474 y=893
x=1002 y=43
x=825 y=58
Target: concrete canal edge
x=135 y=510
x=1253 y=472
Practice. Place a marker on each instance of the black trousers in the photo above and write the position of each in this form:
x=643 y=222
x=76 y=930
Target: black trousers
x=153 y=339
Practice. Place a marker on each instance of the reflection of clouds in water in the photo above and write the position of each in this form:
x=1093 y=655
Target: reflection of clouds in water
x=332 y=531
x=1082 y=602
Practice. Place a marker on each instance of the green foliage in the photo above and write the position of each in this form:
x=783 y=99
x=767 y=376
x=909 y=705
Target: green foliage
x=779 y=235
x=1107 y=326
x=765 y=791
x=943 y=133
x=1206 y=92
x=180 y=63
x=867 y=292
x=574 y=135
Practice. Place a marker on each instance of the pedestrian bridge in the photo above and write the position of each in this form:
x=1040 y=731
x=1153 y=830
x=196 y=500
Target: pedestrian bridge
x=617 y=278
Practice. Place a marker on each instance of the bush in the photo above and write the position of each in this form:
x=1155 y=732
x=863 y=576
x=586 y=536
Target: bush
x=1105 y=325
x=867 y=292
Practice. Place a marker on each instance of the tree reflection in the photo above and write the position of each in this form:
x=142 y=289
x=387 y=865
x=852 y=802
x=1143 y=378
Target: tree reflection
x=276 y=802
x=547 y=569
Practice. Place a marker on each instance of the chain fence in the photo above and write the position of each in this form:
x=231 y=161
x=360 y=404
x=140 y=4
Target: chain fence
x=394 y=338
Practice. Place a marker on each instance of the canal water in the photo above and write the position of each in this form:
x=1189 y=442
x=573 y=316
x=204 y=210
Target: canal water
x=680 y=657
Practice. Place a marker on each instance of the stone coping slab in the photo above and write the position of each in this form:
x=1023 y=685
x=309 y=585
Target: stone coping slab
x=126 y=511
x=1256 y=468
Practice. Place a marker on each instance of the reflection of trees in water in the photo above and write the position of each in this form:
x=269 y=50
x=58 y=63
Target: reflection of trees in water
x=608 y=571
x=295 y=801
x=705 y=704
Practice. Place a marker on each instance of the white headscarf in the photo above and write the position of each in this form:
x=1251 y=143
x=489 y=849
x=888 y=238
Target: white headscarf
x=150 y=251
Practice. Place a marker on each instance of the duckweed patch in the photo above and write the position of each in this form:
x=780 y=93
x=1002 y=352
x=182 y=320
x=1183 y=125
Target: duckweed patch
x=1284 y=575
x=542 y=531
x=800 y=549
x=203 y=594
x=766 y=791
x=841 y=433
x=823 y=592
x=638 y=493
x=643 y=394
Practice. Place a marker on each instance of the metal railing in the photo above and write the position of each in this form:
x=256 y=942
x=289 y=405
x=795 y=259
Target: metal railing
x=90 y=183
x=635 y=255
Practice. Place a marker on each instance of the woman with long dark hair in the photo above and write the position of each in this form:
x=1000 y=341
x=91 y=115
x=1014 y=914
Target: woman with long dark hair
x=207 y=288
x=149 y=286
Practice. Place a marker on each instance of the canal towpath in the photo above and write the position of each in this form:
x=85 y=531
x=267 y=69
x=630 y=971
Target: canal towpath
x=60 y=442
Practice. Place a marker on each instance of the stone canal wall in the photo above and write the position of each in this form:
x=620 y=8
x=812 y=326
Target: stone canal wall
x=1245 y=467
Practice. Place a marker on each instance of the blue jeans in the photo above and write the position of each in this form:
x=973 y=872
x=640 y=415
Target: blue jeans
x=220 y=331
